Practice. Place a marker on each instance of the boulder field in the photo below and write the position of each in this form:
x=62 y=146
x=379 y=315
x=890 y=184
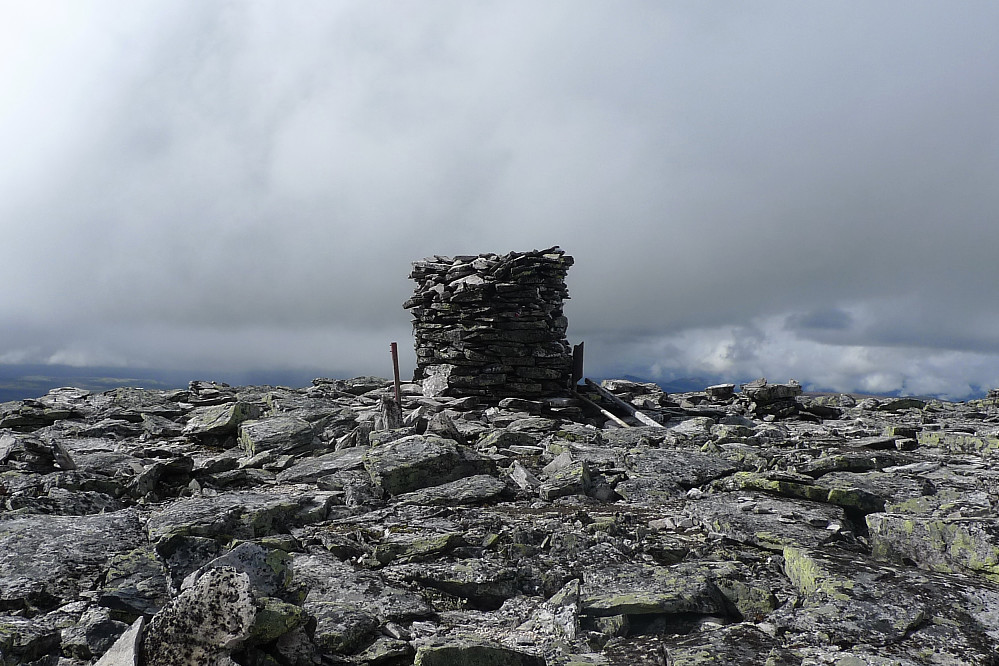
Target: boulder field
x=268 y=526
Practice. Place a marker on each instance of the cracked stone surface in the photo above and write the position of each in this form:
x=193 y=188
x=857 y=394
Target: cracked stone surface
x=271 y=525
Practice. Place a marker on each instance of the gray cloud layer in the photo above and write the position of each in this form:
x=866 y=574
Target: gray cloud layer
x=770 y=188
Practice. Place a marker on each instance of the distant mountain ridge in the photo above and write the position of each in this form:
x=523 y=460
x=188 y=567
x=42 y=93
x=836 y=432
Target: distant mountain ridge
x=21 y=381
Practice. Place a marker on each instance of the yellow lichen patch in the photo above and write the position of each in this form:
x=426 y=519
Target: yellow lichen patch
x=811 y=578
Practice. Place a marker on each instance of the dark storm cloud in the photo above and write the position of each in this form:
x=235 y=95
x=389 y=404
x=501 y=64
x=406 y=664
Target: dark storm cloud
x=744 y=187
x=823 y=320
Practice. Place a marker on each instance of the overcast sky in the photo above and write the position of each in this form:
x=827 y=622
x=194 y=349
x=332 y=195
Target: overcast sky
x=779 y=189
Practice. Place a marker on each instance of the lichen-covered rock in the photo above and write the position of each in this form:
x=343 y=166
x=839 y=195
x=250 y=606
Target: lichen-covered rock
x=340 y=628
x=239 y=514
x=479 y=583
x=45 y=560
x=331 y=581
x=310 y=470
x=473 y=652
x=746 y=535
x=644 y=590
x=850 y=600
x=769 y=522
x=571 y=479
x=789 y=484
x=418 y=461
x=740 y=644
x=268 y=570
x=281 y=434
x=274 y=619
x=135 y=582
x=968 y=545
x=205 y=623
x=223 y=419
x=477 y=489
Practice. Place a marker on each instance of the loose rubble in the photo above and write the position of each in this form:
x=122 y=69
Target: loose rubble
x=492 y=325
x=262 y=526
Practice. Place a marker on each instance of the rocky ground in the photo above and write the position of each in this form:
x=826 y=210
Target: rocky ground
x=263 y=525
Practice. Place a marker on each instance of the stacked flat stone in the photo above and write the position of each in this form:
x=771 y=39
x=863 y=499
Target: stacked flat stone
x=492 y=325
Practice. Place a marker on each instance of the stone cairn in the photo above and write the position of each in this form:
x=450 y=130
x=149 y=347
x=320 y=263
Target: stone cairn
x=492 y=325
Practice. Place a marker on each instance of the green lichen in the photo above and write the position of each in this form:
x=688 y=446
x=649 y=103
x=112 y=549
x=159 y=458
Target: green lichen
x=956 y=442
x=812 y=579
x=275 y=618
x=855 y=498
x=771 y=540
x=753 y=603
x=914 y=505
x=964 y=545
x=417 y=548
x=635 y=603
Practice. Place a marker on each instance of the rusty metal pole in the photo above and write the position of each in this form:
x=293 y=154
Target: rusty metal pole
x=395 y=369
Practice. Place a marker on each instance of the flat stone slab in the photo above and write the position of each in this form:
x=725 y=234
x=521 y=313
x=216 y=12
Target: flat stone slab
x=968 y=545
x=629 y=589
x=768 y=522
x=848 y=599
x=283 y=434
x=473 y=652
x=45 y=560
x=239 y=514
x=418 y=461
x=310 y=470
x=478 y=489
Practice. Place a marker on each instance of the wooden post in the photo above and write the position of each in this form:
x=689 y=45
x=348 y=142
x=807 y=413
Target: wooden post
x=603 y=411
x=577 y=363
x=395 y=370
x=644 y=418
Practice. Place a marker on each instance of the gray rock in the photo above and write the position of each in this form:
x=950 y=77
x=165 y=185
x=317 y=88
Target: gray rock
x=418 y=461
x=239 y=514
x=95 y=633
x=47 y=559
x=471 y=490
x=768 y=522
x=330 y=581
x=127 y=649
x=204 y=624
x=660 y=475
x=223 y=419
x=733 y=644
x=761 y=392
x=310 y=470
x=135 y=583
x=268 y=570
x=935 y=543
x=571 y=479
x=24 y=640
x=483 y=584
x=906 y=613
x=280 y=434
x=473 y=652
x=645 y=590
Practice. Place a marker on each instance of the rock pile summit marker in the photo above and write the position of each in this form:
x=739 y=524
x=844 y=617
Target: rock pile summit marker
x=492 y=325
